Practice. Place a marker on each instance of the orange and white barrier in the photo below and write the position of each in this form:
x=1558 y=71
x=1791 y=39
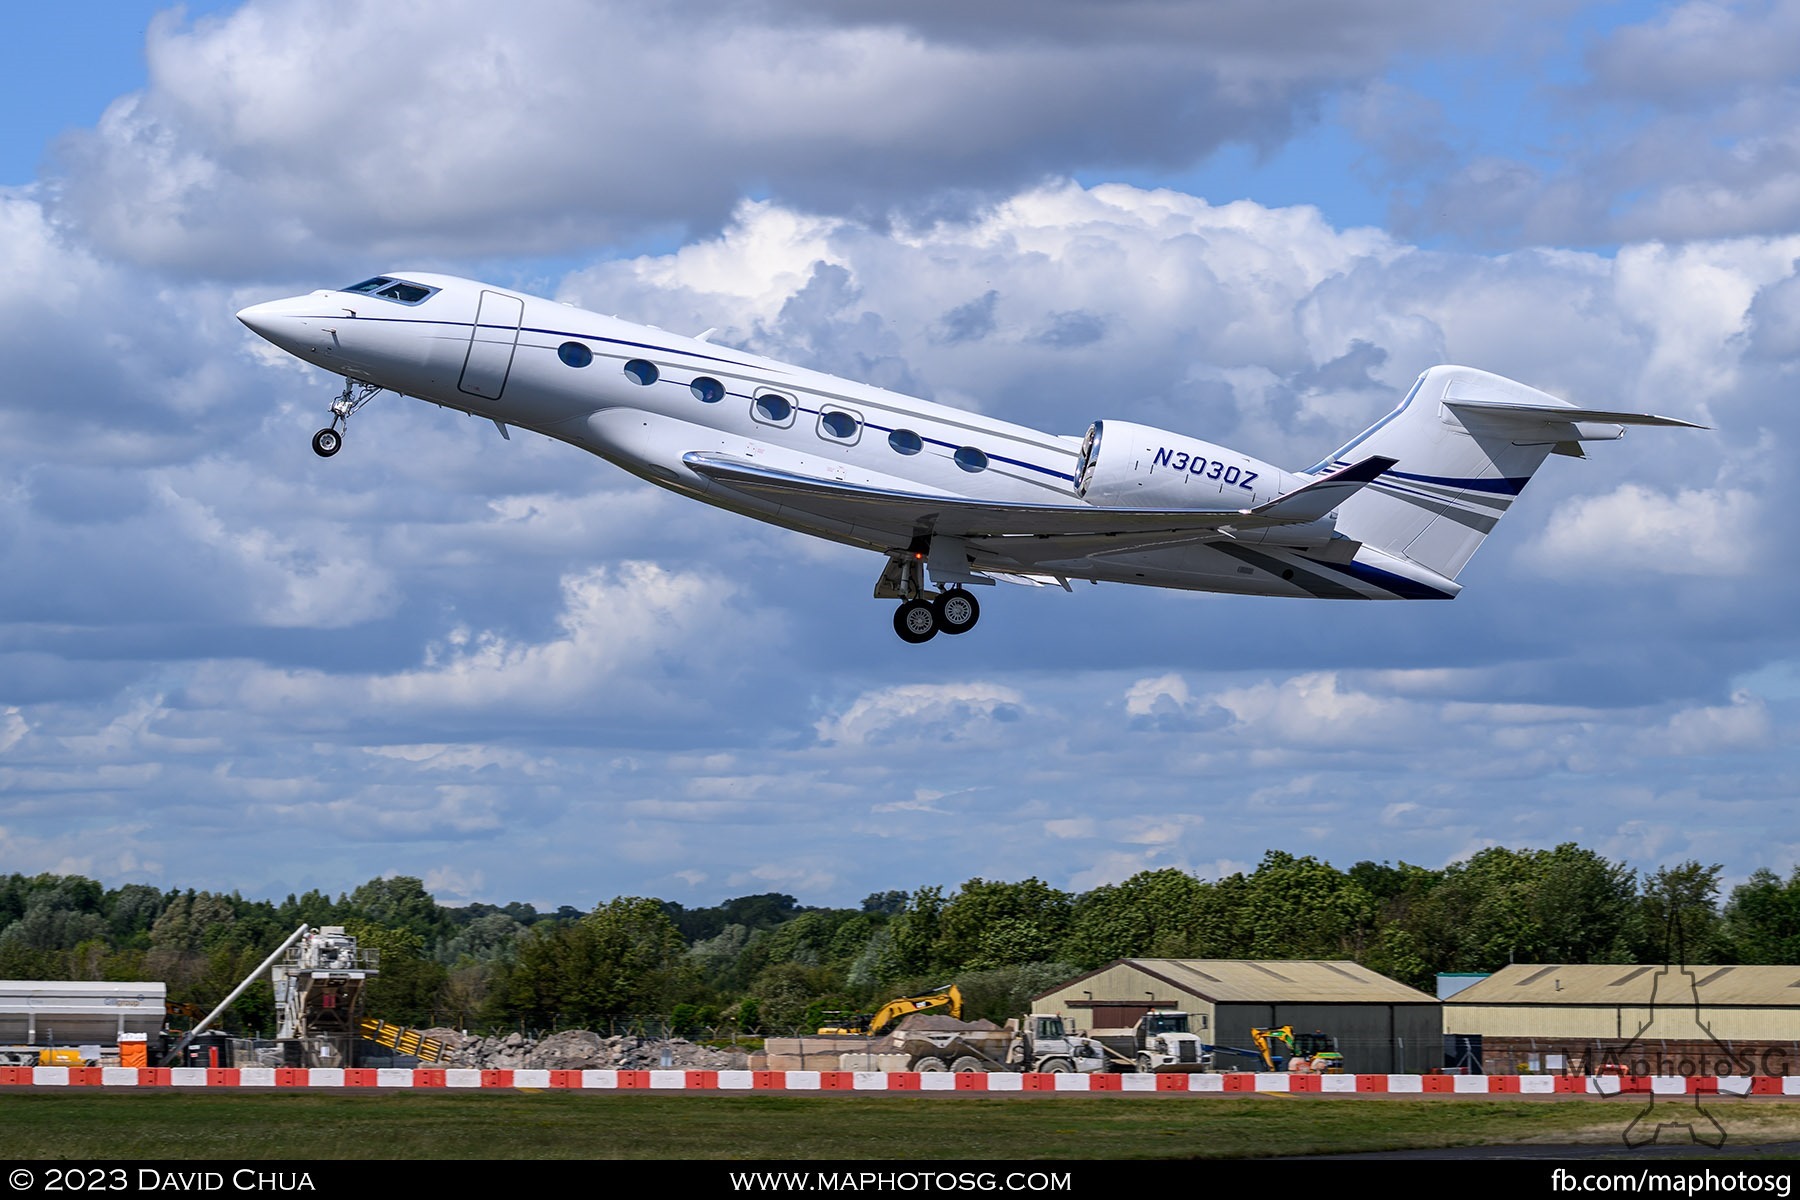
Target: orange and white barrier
x=893 y=1081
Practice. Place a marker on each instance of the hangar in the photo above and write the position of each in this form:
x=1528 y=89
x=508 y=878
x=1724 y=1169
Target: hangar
x=1645 y=1019
x=1381 y=1026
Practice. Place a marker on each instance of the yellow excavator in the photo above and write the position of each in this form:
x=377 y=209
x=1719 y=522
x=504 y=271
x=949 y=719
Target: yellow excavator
x=876 y=1023
x=1318 y=1049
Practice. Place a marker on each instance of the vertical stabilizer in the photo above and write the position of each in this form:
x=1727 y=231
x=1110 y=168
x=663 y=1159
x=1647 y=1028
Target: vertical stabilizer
x=1465 y=443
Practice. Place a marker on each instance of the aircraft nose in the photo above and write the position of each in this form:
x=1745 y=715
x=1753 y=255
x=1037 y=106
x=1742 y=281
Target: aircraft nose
x=262 y=319
x=287 y=323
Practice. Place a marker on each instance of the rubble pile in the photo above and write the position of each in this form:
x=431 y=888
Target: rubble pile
x=581 y=1050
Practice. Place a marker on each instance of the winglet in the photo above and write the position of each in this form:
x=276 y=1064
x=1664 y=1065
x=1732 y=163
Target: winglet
x=1313 y=500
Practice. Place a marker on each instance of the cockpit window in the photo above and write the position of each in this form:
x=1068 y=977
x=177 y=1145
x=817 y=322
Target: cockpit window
x=397 y=290
x=405 y=293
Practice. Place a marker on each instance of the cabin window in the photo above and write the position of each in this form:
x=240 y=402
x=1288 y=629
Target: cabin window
x=905 y=441
x=971 y=459
x=575 y=354
x=839 y=425
x=642 y=372
x=707 y=390
x=772 y=408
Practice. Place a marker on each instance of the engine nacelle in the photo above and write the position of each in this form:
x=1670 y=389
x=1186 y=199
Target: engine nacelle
x=1125 y=465
x=1140 y=466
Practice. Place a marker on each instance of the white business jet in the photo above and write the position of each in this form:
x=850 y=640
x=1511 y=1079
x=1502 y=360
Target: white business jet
x=949 y=498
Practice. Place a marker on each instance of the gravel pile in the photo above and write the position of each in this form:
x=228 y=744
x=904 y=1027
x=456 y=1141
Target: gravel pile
x=580 y=1050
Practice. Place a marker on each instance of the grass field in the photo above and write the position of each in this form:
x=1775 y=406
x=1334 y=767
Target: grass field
x=302 y=1126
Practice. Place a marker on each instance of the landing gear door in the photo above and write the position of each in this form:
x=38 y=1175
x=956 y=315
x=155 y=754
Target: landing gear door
x=491 y=345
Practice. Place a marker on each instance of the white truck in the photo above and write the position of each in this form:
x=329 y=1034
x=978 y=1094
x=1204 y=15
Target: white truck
x=1160 y=1043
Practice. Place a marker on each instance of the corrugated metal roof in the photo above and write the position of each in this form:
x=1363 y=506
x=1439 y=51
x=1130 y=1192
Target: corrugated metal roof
x=1634 y=983
x=1275 y=981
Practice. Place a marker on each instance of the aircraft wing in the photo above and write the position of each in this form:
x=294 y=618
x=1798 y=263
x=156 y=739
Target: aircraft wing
x=964 y=517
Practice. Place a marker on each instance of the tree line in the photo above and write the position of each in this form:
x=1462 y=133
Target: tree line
x=768 y=963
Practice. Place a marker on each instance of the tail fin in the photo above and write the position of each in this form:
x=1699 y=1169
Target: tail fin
x=1465 y=444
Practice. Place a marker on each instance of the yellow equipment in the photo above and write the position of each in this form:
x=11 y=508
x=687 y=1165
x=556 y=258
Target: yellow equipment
x=1318 y=1050
x=46 y=1056
x=406 y=1041
x=871 y=1025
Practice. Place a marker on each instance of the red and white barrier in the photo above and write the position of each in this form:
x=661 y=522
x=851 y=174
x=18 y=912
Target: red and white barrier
x=894 y=1081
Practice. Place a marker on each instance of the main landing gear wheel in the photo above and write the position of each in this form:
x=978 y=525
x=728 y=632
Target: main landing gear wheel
x=916 y=621
x=956 y=611
x=327 y=442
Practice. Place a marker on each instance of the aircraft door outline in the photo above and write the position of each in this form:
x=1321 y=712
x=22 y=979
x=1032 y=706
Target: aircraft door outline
x=491 y=345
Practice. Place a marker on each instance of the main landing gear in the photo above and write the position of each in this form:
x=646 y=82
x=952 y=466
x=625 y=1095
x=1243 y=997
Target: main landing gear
x=921 y=617
x=329 y=441
x=953 y=611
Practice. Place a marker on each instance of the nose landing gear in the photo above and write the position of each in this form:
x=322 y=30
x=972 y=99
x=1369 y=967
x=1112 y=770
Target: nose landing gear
x=356 y=393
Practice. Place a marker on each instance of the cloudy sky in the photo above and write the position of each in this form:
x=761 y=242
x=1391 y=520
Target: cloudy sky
x=512 y=670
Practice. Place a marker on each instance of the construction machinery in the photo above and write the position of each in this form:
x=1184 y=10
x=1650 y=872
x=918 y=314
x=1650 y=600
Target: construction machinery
x=876 y=1023
x=1033 y=1043
x=1161 y=1043
x=402 y=1039
x=44 y=1056
x=1317 y=1051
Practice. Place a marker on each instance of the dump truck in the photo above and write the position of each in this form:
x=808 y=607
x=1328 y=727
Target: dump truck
x=1032 y=1043
x=1160 y=1043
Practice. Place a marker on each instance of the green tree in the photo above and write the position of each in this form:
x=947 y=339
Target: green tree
x=1154 y=914
x=398 y=902
x=910 y=951
x=991 y=924
x=1762 y=918
x=621 y=960
x=1500 y=906
x=410 y=987
x=1678 y=916
x=1303 y=908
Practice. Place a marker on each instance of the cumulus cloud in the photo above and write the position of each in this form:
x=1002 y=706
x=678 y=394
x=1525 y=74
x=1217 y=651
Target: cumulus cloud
x=1743 y=724
x=442 y=638
x=1711 y=532
x=948 y=712
x=300 y=133
x=623 y=633
x=1676 y=127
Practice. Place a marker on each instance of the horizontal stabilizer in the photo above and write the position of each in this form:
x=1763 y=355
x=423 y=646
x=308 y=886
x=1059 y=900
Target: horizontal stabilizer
x=1316 y=499
x=1555 y=413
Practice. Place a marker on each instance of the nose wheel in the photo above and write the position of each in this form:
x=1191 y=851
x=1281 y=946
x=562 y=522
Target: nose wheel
x=919 y=620
x=330 y=440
